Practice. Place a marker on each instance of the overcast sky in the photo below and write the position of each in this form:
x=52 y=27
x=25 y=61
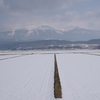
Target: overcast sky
x=60 y=14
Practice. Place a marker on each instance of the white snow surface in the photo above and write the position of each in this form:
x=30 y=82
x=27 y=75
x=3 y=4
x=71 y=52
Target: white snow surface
x=79 y=76
x=3 y=57
x=48 y=52
x=29 y=77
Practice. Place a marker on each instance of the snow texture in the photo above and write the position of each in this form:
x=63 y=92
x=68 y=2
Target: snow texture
x=3 y=57
x=29 y=77
x=80 y=76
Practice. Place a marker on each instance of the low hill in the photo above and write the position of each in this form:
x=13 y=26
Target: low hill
x=45 y=44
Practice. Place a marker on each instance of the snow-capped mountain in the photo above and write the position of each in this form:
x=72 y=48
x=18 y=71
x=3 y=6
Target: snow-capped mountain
x=47 y=33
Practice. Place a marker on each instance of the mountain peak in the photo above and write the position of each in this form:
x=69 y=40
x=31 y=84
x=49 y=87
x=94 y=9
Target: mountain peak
x=46 y=32
x=45 y=27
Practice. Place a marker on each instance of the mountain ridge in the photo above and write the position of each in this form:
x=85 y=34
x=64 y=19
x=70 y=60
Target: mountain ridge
x=47 y=33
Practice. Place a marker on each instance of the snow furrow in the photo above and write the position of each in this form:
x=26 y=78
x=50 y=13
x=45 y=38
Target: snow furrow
x=9 y=57
x=27 y=78
x=79 y=75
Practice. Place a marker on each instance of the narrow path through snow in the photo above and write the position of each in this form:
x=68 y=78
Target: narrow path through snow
x=57 y=83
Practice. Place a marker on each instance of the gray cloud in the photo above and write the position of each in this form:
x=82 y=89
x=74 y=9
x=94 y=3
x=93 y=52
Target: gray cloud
x=65 y=21
x=2 y=8
x=35 y=5
x=20 y=13
x=88 y=20
x=30 y=13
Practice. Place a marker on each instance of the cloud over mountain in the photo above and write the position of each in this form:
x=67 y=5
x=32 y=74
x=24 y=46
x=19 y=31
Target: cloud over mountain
x=60 y=14
x=48 y=33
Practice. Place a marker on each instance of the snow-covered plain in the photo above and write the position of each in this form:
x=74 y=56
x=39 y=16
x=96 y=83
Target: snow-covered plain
x=29 y=75
x=80 y=76
x=48 y=52
x=3 y=57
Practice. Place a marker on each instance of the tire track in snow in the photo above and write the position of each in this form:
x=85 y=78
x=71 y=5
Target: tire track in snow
x=57 y=84
x=91 y=54
x=11 y=57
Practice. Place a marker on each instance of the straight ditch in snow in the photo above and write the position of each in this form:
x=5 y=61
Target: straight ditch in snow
x=57 y=84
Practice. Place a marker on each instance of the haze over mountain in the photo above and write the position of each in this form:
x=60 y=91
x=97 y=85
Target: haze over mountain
x=71 y=20
x=47 y=33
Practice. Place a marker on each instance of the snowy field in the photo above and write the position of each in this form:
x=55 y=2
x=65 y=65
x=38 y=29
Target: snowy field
x=27 y=78
x=80 y=76
x=4 y=57
x=48 y=52
x=29 y=75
